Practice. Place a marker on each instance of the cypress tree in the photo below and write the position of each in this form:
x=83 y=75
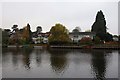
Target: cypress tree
x=99 y=27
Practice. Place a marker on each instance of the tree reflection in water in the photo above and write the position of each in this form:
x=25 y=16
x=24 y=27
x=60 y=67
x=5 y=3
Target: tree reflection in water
x=58 y=60
x=38 y=56
x=60 y=63
x=119 y=64
x=15 y=55
x=26 y=57
x=99 y=63
x=18 y=53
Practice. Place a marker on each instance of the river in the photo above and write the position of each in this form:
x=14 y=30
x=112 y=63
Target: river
x=59 y=63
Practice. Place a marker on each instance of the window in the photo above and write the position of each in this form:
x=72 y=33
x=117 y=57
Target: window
x=75 y=36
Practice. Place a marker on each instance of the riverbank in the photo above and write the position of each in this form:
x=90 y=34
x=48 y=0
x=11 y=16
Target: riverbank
x=26 y=46
x=87 y=47
x=40 y=46
x=107 y=45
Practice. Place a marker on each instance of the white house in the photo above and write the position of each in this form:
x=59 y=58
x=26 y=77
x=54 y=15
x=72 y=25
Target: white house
x=40 y=38
x=76 y=35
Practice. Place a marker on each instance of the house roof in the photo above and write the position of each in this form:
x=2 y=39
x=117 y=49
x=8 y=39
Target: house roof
x=82 y=33
x=34 y=34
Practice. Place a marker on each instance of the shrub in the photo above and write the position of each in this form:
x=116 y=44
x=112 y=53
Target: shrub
x=86 y=40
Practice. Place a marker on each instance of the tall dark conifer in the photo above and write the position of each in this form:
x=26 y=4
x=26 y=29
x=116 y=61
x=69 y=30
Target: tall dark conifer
x=30 y=33
x=99 y=27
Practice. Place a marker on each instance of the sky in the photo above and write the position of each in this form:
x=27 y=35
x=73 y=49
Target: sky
x=70 y=14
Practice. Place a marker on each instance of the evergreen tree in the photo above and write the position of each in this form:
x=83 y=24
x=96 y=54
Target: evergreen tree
x=99 y=27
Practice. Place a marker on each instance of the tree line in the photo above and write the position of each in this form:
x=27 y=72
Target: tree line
x=59 y=33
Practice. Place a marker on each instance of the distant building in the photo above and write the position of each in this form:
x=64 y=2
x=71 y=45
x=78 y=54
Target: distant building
x=115 y=38
x=76 y=35
x=39 y=37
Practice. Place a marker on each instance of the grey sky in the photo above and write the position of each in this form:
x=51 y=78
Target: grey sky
x=70 y=14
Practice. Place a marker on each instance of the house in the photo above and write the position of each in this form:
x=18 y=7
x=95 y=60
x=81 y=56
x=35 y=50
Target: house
x=77 y=35
x=40 y=37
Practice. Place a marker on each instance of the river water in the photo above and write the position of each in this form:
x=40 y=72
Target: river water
x=59 y=63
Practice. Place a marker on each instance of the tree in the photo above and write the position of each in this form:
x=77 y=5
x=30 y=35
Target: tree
x=108 y=37
x=27 y=34
x=15 y=33
x=77 y=29
x=119 y=38
x=15 y=28
x=39 y=29
x=59 y=35
x=0 y=36
x=5 y=37
x=99 y=27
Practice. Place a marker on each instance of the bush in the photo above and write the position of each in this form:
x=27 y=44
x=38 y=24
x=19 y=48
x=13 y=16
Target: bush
x=97 y=40
x=86 y=40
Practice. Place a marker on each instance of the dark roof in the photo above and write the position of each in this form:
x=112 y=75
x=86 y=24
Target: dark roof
x=75 y=30
x=34 y=34
x=81 y=33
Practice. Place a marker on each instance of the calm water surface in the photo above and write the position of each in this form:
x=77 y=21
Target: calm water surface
x=59 y=63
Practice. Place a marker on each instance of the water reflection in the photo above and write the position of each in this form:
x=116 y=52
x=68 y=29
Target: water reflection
x=63 y=63
x=38 y=56
x=26 y=58
x=18 y=55
x=99 y=63
x=58 y=60
x=119 y=64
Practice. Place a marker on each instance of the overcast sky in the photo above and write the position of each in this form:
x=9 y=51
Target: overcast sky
x=70 y=14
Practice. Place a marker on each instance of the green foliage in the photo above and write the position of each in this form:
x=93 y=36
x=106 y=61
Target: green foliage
x=0 y=36
x=99 y=27
x=97 y=40
x=5 y=37
x=23 y=41
x=105 y=36
x=59 y=35
x=119 y=38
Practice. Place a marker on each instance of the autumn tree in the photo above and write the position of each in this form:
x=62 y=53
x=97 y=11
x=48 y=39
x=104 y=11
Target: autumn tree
x=27 y=35
x=59 y=35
